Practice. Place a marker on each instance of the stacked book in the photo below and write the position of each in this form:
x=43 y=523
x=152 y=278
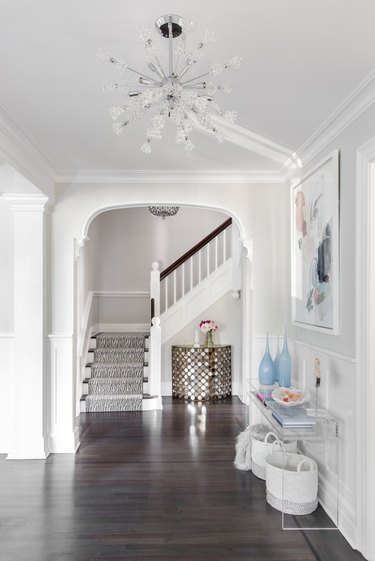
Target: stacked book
x=292 y=417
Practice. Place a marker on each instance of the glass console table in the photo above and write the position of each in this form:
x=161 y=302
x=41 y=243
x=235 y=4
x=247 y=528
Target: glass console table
x=320 y=443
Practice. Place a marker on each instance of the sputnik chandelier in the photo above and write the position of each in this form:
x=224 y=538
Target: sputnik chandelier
x=173 y=93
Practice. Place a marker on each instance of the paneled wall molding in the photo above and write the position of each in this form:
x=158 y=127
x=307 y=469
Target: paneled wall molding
x=322 y=350
x=338 y=394
x=119 y=294
x=358 y=101
x=62 y=431
x=121 y=327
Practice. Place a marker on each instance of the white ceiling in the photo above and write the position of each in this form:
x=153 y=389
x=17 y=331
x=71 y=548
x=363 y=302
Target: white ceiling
x=302 y=58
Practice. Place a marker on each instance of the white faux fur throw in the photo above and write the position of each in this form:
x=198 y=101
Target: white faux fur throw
x=243 y=445
x=243 y=450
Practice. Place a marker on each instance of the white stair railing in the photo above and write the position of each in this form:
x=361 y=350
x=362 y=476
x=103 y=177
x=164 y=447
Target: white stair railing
x=178 y=280
x=196 y=265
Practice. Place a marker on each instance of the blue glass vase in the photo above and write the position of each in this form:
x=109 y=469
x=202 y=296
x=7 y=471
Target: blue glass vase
x=267 y=368
x=285 y=366
x=276 y=360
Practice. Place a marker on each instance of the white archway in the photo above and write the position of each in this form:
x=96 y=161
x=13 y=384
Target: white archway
x=246 y=299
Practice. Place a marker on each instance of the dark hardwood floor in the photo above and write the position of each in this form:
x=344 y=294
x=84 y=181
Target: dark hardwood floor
x=153 y=486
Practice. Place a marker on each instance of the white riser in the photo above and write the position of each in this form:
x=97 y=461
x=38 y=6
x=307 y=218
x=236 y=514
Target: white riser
x=92 y=343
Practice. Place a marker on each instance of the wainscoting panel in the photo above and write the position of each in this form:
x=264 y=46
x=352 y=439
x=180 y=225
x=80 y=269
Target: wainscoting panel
x=337 y=394
x=63 y=432
x=6 y=389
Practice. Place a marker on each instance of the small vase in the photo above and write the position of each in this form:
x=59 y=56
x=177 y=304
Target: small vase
x=276 y=360
x=209 y=340
x=267 y=368
x=285 y=365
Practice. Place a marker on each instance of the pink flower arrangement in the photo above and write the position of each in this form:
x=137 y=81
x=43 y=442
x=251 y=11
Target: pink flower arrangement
x=208 y=325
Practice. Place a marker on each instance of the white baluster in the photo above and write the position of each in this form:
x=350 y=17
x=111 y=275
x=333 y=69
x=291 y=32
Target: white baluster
x=174 y=286
x=183 y=280
x=208 y=258
x=216 y=253
x=191 y=273
x=224 y=245
x=199 y=265
x=166 y=293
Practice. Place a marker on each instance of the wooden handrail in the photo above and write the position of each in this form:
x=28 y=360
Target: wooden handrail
x=195 y=249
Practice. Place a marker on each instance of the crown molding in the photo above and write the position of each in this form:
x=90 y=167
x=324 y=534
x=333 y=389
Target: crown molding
x=252 y=141
x=358 y=101
x=21 y=151
x=162 y=176
x=25 y=201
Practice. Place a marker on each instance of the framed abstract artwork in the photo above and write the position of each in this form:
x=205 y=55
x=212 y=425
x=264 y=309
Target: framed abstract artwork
x=315 y=248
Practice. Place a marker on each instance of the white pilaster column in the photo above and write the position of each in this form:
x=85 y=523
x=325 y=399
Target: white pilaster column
x=30 y=388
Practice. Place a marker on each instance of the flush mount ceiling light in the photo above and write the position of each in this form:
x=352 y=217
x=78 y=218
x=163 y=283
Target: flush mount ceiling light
x=171 y=93
x=164 y=211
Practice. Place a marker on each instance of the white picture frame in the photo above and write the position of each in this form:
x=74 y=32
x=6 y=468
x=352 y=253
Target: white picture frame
x=315 y=248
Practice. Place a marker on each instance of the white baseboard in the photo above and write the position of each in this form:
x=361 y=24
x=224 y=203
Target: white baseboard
x=65 y=442
x=121 y=327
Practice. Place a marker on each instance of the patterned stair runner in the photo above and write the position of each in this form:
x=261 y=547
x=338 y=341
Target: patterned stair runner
x=116 y=382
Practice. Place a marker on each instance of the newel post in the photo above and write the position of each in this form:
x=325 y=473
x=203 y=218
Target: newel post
x=155 y=357
x=155 y=287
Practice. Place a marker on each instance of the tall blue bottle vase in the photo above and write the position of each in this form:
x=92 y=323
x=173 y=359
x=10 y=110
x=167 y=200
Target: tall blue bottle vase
x=267 y=368
x=276 y=361
x=285 y=366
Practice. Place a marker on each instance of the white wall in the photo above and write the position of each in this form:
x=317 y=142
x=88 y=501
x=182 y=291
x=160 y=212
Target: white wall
x=341 y=386
x=129 y=240
x=228 y=314
x=6 y=269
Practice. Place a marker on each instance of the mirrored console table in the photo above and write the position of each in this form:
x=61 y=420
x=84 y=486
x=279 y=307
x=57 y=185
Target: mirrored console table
x=201 y=373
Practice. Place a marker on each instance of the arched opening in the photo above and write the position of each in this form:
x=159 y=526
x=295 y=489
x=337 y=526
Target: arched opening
x=113 y=275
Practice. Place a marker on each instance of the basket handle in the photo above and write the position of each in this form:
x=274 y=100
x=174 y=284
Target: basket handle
x=269 y=434
x=277 y=443
x=304 y=461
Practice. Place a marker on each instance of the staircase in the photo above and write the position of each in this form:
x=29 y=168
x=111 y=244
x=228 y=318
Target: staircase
x=123 y=369
x=115 y=376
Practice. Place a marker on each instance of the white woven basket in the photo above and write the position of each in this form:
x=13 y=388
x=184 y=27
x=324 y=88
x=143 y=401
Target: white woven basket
x=262 y=448
x=300 y=483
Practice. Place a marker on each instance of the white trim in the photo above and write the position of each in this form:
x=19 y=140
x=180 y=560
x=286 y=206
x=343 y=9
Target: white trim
x=119 y=294
x=252 y=141
x=165 y=176
x=332 y=354
x=60 y=336
x=121 y=327
x=6 y=335
x=22 y=152
x=25 y=201
x=360 y=99
x=365 y=452
x=136 y=204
